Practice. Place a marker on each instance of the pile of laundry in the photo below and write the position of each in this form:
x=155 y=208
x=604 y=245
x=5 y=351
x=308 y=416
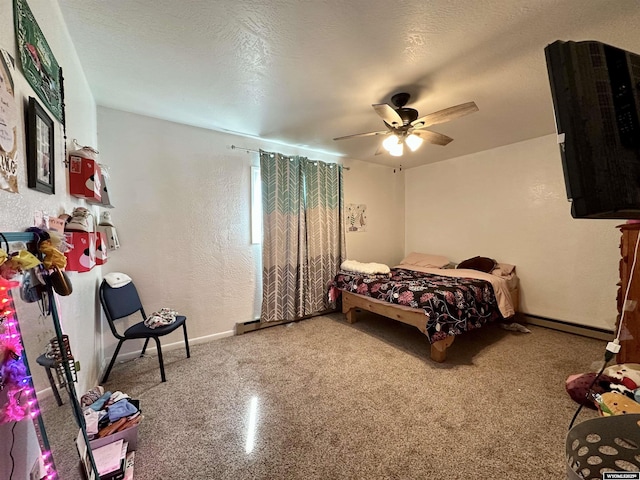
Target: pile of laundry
x=615 y=392
x=106 y=413
x=161 y=318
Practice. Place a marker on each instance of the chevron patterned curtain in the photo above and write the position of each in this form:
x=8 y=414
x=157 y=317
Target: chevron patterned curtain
x=303 y=237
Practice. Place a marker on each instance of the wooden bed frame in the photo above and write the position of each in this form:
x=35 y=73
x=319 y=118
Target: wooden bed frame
x=351 y=302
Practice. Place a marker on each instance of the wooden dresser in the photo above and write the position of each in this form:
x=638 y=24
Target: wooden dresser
x=630 y=335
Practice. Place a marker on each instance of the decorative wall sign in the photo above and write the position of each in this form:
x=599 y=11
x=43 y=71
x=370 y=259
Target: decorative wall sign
x=8 y=126
x=15 y=376
x=40 y=151
x=38 y=63
x=356 y=217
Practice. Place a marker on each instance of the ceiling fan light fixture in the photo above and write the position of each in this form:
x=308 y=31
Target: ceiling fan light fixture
x=397 y=150
x=413 y=142
x=404 y=126
x=391 y=142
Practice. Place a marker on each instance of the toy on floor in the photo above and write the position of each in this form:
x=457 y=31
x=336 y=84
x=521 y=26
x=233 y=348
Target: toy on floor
x=615 y=403
x=615 y=392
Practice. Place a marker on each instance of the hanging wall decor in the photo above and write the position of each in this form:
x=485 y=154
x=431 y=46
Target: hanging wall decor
x=8 y=126
x=38 y=63
x=356 y=217
x=40 y=151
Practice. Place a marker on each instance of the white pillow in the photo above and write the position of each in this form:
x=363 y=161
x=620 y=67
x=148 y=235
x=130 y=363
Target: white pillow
x=117 y=280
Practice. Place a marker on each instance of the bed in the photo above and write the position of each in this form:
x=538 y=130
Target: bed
x=440 y=302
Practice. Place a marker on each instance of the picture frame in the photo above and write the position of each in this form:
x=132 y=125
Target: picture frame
x=39 y=65
x=40 y=149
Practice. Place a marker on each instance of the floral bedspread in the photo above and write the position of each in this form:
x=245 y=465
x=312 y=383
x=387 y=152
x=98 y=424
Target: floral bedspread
x=453 y=304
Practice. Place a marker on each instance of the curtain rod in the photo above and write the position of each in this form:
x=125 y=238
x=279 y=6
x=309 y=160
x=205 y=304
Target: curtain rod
x=235 y=147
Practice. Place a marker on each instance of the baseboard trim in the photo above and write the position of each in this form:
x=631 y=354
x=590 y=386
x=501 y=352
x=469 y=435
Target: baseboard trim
x=124 y=357
x=585 y=331
x=246 y=327
x=254 y=325
x=552 y=323
x=48 y=392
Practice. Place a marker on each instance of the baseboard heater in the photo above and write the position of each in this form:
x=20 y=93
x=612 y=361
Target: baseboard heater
x=552 y=323
x=585 y=331
x=253 y=325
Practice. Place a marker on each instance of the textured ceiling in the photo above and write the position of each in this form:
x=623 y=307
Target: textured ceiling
x=302 y=72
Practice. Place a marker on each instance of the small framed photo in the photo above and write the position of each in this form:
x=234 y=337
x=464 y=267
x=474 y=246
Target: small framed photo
x=40 y=151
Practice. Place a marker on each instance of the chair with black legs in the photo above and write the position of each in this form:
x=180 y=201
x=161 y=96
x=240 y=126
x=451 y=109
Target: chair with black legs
x=122 y=301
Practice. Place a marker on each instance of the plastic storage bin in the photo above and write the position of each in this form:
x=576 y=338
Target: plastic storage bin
x=604 y=444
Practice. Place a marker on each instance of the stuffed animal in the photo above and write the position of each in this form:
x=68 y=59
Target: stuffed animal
x=627 y=373
x=615 y=403
x=578 y=387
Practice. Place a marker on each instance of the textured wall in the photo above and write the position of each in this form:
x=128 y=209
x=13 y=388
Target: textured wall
x=382 y=191
x=510 y=204
x=182 y=203
x=78 y=311
x=182 y=199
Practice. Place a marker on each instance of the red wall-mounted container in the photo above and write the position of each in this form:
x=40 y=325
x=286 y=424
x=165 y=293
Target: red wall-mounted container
x=85 y=178
x=82 y=256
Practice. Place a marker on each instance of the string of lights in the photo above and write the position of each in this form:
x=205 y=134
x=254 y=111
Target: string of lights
x=16 y=379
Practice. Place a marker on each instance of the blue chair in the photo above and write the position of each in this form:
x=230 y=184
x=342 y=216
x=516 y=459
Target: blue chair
x=123 y=301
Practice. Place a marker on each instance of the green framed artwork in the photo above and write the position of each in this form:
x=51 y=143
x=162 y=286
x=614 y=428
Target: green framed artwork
x=39 y=65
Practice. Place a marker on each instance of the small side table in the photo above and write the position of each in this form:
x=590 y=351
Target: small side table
x=48 y=364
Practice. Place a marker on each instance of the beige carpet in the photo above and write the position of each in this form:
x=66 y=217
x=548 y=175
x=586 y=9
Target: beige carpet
x=362 y=401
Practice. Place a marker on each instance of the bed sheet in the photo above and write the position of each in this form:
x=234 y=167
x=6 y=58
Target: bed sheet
x=453 y=303
x=501 y=285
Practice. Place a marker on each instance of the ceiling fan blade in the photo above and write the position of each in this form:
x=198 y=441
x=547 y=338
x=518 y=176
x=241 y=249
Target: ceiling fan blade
x=433 y=137
x=388 y=114
x=368 y=134
x=381 y=150
x=445 y=115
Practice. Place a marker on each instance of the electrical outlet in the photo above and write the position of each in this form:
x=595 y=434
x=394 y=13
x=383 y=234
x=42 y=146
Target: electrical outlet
x=77 y=365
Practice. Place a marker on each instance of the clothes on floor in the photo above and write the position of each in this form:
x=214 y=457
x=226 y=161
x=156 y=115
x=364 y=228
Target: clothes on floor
x=117 y=396
x=106 y=413
x=98 y=404
x=515 y=327
x=91 y=419
x=91 y=396
x=122 y=408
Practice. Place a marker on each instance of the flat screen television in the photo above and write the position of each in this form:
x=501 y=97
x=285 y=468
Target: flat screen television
x=596 y=97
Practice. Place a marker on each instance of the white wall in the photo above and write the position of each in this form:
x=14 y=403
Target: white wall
x=510 y=204
x=382 y=191
x=78 y=311
x=182 y=212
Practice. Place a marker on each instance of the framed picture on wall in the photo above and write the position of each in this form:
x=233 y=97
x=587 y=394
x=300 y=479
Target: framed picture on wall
x=39 y=66
x=40 y=152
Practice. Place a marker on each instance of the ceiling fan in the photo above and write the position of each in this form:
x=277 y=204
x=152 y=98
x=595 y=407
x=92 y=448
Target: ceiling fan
x=404 y=126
